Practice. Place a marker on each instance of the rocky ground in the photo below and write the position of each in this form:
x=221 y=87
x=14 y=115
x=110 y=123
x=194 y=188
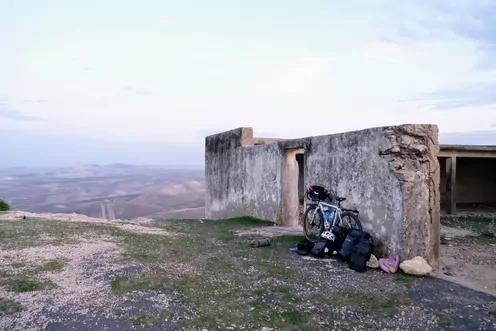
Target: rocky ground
x=201 y=275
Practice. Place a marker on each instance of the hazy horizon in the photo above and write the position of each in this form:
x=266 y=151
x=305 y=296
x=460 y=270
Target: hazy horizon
x=24 y=150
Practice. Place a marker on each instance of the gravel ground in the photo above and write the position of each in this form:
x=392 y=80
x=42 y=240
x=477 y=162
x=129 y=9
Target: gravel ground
x=123 y=280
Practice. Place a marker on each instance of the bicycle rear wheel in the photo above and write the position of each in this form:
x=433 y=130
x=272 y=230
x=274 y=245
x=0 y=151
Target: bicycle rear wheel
x=313 y=223
x=350 y=220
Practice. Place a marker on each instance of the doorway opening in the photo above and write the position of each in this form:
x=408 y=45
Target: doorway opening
x=293 y=187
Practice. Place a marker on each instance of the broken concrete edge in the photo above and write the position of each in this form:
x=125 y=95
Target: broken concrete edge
x=413 y=159
x=410 y=150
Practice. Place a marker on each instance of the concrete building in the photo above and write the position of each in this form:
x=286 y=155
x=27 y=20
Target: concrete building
x=468 y=177
x=390 y=174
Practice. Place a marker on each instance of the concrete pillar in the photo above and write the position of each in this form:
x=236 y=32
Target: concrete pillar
x=289 y=189
x=451 y=185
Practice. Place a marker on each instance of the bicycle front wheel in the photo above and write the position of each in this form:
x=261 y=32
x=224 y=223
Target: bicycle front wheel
x=350 y=220
x=313 y=223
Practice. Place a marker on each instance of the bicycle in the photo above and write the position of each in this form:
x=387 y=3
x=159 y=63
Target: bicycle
x=330 y=215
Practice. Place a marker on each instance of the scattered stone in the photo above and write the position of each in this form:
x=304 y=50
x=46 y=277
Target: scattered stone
x=416 y=266
x=380 y=249
x=373 y=262
x=445 y=240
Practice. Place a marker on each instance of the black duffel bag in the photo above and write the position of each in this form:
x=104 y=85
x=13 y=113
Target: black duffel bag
x=351 y=239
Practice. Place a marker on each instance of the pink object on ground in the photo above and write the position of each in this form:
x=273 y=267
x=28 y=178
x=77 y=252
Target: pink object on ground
x=390 y=263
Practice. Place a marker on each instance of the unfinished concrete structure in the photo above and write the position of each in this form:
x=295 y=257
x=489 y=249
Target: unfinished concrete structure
x=468 y=177
x=390 y=174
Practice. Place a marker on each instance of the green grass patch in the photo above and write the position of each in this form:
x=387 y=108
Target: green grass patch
x=150 y=319
x=52 y=266
x=23 y=284
x=147 y=281
x=483 y=239
x=273 y=269
x=18 y=265
x=378 y=304
x=404 y=279
x=477 y=224
x=368 y=303
x=34 y=233
x=292 y=318
x=9 y=307
x=444 y=320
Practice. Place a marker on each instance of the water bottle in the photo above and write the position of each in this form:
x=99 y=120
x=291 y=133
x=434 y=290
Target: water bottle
x=332 y=214
x=327 y=224
x=325 y=211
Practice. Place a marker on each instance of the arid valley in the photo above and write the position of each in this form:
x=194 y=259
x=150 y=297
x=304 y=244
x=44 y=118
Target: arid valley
x=116 y=191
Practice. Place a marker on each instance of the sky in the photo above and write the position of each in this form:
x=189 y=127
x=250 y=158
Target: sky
x=145 y=81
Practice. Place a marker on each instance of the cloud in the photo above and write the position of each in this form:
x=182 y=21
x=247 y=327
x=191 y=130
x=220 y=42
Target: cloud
x=478 y=94
x=470 y=20
x=164 y=21
x=297 y=76
x=392 y=52
x=34 y=101
x=468 y=138
x=480 y=26
x=7 y=112
x=138 y=90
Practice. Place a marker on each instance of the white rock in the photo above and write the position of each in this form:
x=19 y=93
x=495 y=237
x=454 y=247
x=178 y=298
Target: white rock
x=416 y=266
x=373 y=262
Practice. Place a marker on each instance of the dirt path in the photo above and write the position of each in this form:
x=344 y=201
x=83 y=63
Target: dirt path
x=467 y=260
x=104 y=210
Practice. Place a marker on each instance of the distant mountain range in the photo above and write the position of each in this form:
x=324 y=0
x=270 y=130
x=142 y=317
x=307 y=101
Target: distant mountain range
x=119 y=191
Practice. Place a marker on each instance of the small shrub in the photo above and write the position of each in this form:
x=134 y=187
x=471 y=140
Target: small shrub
x=4 y=206
x=491 y=229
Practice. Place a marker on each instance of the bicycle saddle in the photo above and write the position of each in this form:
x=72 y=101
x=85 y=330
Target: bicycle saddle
x=340 y=199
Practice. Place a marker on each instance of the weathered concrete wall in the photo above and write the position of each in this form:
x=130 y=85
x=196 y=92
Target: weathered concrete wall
x=224 y=174
x=242 y=179
x=390 y=174
x=475 y=180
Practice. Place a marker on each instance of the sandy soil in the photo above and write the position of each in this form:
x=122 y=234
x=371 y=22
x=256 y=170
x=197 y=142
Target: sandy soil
x=466 y=263
x=80 y=284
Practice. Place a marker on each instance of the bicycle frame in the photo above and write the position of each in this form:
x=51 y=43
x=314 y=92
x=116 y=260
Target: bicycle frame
x=337 y=214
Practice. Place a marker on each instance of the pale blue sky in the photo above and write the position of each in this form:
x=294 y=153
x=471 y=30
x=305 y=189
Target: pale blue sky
x=165 y=73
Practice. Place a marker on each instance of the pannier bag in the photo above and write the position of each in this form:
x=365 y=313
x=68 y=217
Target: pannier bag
x=316 y=193
x=319 y=249
x=360 y=254
x=340 y=235
x=351 y=239
x=304 y=247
